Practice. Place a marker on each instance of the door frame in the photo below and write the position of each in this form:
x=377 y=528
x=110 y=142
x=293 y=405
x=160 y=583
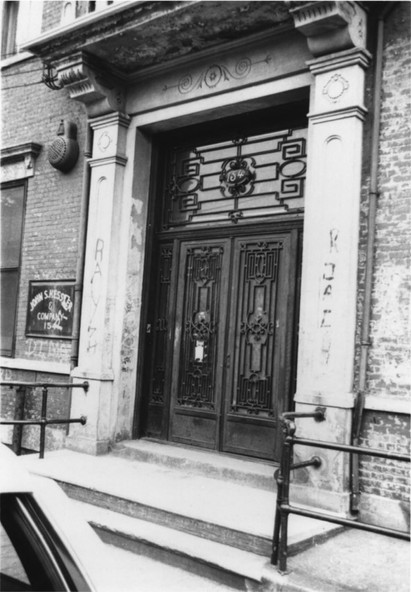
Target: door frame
x=280 y=223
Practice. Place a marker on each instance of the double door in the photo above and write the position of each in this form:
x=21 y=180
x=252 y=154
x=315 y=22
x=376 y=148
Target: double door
x=221 y=340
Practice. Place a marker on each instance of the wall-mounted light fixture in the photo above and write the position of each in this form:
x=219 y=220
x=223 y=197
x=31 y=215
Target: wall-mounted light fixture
x=63 y=152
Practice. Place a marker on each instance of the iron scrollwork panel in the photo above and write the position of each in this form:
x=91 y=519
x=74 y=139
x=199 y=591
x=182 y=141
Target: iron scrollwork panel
x=160 y=327
x=241 y=178
x=255 y=333
x=200 y=324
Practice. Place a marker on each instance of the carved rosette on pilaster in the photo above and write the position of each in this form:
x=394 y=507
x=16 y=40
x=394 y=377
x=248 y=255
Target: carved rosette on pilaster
x=87 y=82
x=330 y=26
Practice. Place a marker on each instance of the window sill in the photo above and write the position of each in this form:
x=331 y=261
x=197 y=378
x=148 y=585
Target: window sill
x=33 y=366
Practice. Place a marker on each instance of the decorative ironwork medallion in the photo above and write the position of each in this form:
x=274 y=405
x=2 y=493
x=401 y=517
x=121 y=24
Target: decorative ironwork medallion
x=237 y=176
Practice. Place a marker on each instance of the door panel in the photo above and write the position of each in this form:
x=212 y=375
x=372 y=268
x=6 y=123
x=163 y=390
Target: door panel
x=256 y=384
x=158 y=344
x=199 y=342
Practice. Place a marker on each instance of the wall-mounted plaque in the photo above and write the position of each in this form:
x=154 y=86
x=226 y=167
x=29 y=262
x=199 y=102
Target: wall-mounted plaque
x=50 y=309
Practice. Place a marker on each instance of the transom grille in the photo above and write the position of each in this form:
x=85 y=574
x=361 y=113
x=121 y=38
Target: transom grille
x=242 y=178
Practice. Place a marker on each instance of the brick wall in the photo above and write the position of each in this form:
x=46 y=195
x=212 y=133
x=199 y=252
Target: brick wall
x=32 y=113
x=389 y=355
x=58 y=406
x=383 y=477
x=51 y=14
x=389 y=359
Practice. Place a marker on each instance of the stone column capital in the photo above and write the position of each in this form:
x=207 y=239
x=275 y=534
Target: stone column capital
x=339 y=83
x=86 y=81
x=330 y=26
x=342 y=59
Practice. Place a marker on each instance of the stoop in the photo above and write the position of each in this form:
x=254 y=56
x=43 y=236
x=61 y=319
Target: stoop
x=210 y=513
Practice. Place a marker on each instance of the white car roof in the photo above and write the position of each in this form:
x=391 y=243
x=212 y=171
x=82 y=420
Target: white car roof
x=14 y=477
x=90 y=554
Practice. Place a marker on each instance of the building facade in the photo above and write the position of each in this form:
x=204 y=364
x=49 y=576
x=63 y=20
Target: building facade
x=205 y=214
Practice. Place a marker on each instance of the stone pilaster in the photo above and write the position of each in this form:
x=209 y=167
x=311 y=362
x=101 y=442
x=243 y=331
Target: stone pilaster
x=330 y=252
x=98 y=353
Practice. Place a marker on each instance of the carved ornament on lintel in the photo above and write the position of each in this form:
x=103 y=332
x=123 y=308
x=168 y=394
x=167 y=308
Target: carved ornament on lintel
x=331 y=26
x=86 y=81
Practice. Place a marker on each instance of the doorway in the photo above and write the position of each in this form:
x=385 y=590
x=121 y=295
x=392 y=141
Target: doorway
x=221 y=332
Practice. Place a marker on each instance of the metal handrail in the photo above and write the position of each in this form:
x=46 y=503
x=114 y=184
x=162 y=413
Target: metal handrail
x=282 y=476
x=43 y=422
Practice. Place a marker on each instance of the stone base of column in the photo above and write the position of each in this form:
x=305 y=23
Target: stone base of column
x=321 y=500
x=94 y=436
x=326 y=488
x=87 y=445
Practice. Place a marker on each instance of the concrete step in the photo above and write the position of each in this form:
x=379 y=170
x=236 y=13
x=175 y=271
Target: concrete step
x=227 y=467
x=215 y=561
x=177 y=511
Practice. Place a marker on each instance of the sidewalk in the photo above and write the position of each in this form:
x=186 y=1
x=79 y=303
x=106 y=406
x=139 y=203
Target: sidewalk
x=351 y=561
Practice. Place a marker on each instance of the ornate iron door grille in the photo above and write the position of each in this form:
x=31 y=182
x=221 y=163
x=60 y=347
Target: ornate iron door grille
x=256 y=313
x=161 y=327
x=243 y=178
x=200 y=322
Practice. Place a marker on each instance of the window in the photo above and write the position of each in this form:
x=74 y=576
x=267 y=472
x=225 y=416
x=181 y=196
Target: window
x=72 y=9
x=21 y=21
x=13 y=575
x=9 y=27
x=11 y=216
x=35 y=557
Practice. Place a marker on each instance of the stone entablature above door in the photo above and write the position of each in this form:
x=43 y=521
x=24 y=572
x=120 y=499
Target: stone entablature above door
x=264 y=59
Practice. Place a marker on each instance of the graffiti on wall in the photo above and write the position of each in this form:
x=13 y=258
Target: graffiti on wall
x=327 y=291
x=95 y=294
x=42 y=349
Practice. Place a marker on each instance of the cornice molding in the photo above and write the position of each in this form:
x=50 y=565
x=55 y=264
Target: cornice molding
x=331 y=26
x=102 y=122
x=345 y=113
x=20 y=152
x=17 y=162
x=107 y=160
x=343 y=59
